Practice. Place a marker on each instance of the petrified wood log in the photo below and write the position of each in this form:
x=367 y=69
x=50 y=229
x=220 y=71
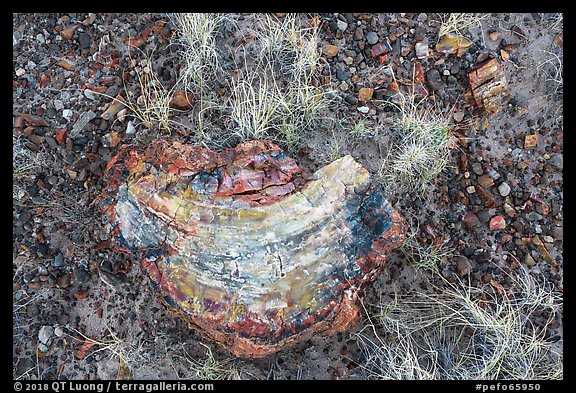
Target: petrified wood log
x=244 y=247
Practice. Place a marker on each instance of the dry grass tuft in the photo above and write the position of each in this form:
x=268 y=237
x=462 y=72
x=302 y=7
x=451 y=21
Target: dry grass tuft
x=463 y=332
x=24 y=161
x=199 y=48
x=209 y=368
x=457 y=22
x=420 y=149
x=260 y=106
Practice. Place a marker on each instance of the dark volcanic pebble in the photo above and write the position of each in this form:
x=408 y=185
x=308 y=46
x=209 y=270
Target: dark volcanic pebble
x=84 y=40
x=351 y=99
x=81 y=276
x=434 y=79
x=342 y=75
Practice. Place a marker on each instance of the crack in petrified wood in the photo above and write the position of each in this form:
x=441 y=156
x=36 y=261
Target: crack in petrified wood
x=238 y=251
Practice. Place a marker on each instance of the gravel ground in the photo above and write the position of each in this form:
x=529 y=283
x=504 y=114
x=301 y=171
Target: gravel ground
x=68 y=281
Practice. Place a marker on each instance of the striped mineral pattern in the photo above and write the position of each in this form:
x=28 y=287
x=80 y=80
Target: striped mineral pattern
x=246 y=247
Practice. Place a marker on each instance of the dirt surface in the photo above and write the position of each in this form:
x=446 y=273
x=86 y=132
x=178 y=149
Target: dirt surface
x=69 y=283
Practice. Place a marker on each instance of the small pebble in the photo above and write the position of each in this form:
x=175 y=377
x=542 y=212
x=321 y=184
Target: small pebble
x=372 y=38
x=434 y=80
x=45 y=334
x=130 y=129
x=421 y=49
x=89 y=94
x=477 y=168
x=463 y=265
x=533 y=216
x=58 y=261
x=16 y=36
x=358 y=34
x=58 y=105
x=557 y=160
x=363 y=109
x=484 y=215
x=67 y=114
x=351 y=99
x=84 y=40
x=504 y=189
x=58 y=331
x=342 y=75
x=497 y=223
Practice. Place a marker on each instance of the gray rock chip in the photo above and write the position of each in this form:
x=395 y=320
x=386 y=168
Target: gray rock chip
x=477 y=168
x=84 y=40
x=24 y=365
x=504 y=189
x=533 y=216
x=421 y=50
x=451 y=80
x=45 y=334
x=89 y=94
x=16 y=37
x=342 y=75
x=81 y=276
x=557 y=160
x=82 y=121
x=528 y=260
x=358 y=34
x=372 y=38
x=351 y=99
x=434 y=80
x=58 y=261
x=463 y=265
x=58 y=105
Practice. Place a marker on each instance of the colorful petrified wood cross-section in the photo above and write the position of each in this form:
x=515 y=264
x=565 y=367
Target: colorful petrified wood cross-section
x=245 y=247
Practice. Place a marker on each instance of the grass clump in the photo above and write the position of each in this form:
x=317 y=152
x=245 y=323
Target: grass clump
x=25 y=165
x=422 y=255
x=464 y=332
x=457 y=22
x=210 y=368
x=552 y=69
x=152 y=107
x=289 y=49
x=255 y=105
x=276 y=97
x=130 y=356
x=24 y=161
x=199 y=49
x=299 y=109
x=149 y=103
x=420 y=148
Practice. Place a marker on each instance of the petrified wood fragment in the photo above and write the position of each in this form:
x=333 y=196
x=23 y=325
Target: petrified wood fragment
x=489 y=86
x=245 y=248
